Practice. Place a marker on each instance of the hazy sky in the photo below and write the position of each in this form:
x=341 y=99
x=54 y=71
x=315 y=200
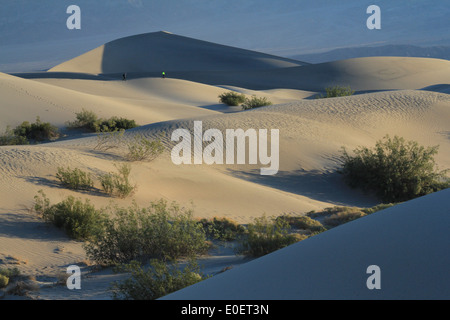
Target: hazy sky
x=33 y=33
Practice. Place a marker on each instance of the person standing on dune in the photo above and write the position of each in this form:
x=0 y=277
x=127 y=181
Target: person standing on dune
x=124 y=77
x=163 y=75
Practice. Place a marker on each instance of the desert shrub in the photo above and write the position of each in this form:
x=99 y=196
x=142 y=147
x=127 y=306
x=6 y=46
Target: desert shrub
x=114 y=124
x=341 y=215
x=3 y=281
x=376 y=208
x=9 y=138
x=395 y=170
x=158 y=280
x=10 y=273
x=80 y=220
x=336 y=91
x=160 y=231
x=222 y=228
x=38 y=131
x=89 y=121
x=232 y=98
x=75 y=179
x=143 y=149
x=266 y=235
x=6 y=275
x=118 y=184
x=255 y=102
x=85 y=119
x=303 y=223
x=22 y=288
x=109 y=140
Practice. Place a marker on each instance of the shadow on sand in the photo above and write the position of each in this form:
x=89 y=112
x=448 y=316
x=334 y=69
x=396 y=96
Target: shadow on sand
x=316 y=185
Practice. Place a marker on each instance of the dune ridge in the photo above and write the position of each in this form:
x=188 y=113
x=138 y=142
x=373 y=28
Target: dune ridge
x=163 y=51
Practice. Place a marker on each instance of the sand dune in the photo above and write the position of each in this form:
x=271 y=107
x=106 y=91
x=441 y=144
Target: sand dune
x=55 y=104
x=361 y=74
x=163 y=51
x=408 y=242
x=189 y=59
x=312 y=132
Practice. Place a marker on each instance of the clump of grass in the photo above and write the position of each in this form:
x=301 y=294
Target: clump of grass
x=377 y=208
x=160 y=231
x=158 y=280
x=118 y=184
x=75 y=179
x=80 y=220
x=336 y=91
x=303 y=223
x=265 y=236
x=222 y=228
x=341 y=215
x=255 y=102
x=232 y=98
x=22 y=287
x=143 y=149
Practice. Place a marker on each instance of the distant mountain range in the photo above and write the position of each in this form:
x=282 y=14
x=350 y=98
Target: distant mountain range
x=34 y=36
x=438 y=52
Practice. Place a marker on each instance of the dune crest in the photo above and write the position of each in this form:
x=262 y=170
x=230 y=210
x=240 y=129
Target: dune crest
x=163 y=51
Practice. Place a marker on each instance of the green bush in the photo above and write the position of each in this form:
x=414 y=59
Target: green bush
x=160 y=231
x=10 y=273
x=80 y=220
x=143 y=149
x=9 y=138
x=222 y=228
x=89 y=121
x=336 y=91
x=3 y=281
x=38 y=131
x=118 y=184
x=84 y=120
x=232 y=98
x=114 y=124
x=265 y=236
x=255 y=102
x=395 y=170
x=75 y=179
x=158 y=280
